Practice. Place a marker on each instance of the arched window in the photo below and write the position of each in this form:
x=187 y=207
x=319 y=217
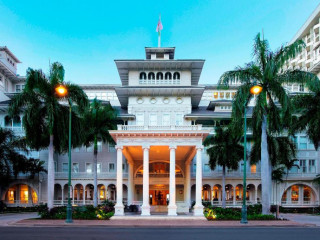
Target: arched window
x=143 y=75
x=16 y=121
x=176 y=75
x=168 y=76
x=7 y=121
x=151 y=75
x=159 y=76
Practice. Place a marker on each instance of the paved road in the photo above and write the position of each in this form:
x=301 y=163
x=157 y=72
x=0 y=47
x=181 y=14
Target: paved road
x=302 y=218
x=243 y=233
x=9 y=218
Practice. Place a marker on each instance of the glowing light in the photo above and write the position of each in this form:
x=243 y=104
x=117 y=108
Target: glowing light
x=255 y=89
x=61 y=90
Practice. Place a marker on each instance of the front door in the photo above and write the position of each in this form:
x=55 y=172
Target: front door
x=159 y=197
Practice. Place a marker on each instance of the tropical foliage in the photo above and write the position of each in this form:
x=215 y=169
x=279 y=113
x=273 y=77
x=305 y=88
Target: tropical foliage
x=46 y=116
x=272 y=109
x=12 y=159
x=98 y=120
x=224 y=149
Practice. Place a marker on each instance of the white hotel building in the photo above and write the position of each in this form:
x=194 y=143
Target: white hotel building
x=164 y=116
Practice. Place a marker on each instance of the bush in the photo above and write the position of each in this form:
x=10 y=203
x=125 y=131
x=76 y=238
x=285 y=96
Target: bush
x=3 y=206
x=83 y=212
x=261 y=217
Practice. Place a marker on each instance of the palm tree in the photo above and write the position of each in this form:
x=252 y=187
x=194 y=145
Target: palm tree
x=98 y=120
x=224 y=149
x=272 y=105
x=307 y=108
x=46 y=117
x=12 y=162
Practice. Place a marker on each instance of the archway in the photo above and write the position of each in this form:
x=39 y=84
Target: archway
x=216 y=193
x=193 y=193
x=20 y=195
x=206 y=193
x=89 y=193
x=299 y=194
x=102 y=193
x=111 y=192
x=239 y=192
x=78 y=194
x=229 y=194
x=251 y=193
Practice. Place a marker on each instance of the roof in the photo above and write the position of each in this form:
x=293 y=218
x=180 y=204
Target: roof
x=193 y=65
x=304 y=30
x=10 y=53
x=204 y=113
x=195 y=92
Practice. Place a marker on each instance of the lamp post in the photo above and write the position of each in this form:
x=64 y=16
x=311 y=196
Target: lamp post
x=62 y=91
x=256 y=89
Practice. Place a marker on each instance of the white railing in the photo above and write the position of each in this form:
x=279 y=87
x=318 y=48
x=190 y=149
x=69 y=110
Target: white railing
x=16 y=130
x=159 y=175
x=85 y=175
x=228 y=174
x=159 y=127
x=304 y=203
x=19 y=203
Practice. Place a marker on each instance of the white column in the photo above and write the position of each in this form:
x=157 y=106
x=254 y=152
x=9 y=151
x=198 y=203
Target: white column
x=198 y=208
x=62 y=195
x=130 y=184
x=119 y=208
x=234 y=196
x=145 y=209
x=172 y=208
x=84 y=195
x=256 y=195
x=187 y=187
x=72 y=195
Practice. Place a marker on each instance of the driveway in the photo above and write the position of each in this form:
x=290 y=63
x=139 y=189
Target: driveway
x=10 y=218
x=302 y=218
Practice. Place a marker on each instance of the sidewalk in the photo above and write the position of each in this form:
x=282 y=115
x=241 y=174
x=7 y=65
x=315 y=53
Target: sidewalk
x=157 y=222
x=302 y=218
x=7 y=219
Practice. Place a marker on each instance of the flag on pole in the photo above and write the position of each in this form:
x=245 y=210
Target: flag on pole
x=159 y=26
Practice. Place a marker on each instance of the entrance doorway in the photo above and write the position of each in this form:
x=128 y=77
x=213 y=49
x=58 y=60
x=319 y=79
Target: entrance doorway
x=159 y=197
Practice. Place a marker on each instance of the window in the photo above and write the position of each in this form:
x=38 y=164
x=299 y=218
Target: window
x=98 y=167
x=75 y=167
x=176 y=75
x=64 y=167
x=55 y=166
x=221 y=94
x=99 y=146
x=166 y=119
x=303 y=166
x=90 y=148
x=312 y=166
x=89 y=168
x=152 y=119
x=215 y=95
x=140 y=119
x=159 y=76
x=179 y=119
x=111 y=147
x=253 y=168
x=143 y=76
x=111 y=167
x=233 y=94
x=228 y=95
x=151 y=75
x=303 y=142
x=168 y=76
x=160 y=55
x=18 y=88
x=301 y=88
x=295 y=169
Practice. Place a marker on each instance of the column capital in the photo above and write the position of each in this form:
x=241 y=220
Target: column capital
x=199 y=147
x=118 y=147
x=172 y=147
x=145 y=147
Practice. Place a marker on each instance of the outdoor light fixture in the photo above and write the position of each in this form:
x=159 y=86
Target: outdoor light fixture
x=61 y=90
x=256 y=89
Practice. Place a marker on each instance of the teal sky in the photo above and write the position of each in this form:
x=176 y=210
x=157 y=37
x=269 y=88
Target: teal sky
x=86 y=36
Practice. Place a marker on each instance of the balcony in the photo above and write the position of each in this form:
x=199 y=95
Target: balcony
x=159 y=127
x=235 y=174
x=18 y=131
x=88 y=176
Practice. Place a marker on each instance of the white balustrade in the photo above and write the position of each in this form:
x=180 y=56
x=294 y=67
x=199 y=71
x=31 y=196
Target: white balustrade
x=159 y=127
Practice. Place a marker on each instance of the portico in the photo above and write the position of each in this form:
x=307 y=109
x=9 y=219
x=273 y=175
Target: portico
x=173 y=149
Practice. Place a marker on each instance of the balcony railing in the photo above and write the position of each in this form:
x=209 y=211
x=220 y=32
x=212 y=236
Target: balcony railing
x=85 y=175
x=304 y=203
x=159 y=175
x=159 y=127
x=16 y=130
x=236 y=174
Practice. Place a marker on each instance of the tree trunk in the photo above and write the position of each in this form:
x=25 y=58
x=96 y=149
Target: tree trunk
x=223 y=186
x=265 y=169
x=95 y=174
x=50 y=174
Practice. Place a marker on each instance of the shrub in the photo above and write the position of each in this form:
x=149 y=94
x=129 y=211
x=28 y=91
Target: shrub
x=3 y=206
x=261 y=217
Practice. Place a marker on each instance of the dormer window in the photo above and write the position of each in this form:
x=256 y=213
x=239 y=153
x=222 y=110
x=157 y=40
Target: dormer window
x=159 y=76
x=151 y=76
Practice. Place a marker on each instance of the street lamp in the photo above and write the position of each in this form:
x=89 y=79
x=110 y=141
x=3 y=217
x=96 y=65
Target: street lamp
x=62 y=91
x=255 y=90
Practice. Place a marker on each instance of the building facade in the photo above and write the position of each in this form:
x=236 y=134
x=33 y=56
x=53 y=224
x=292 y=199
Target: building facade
x=159 y=162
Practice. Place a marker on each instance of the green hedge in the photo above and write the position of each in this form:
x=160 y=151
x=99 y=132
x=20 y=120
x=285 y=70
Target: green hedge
x=253 y=211
x=89 y=212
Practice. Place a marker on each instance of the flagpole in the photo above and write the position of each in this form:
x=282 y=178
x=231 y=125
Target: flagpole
x=159 y=39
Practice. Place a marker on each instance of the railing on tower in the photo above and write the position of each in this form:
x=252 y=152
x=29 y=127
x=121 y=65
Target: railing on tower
x=159 y=127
